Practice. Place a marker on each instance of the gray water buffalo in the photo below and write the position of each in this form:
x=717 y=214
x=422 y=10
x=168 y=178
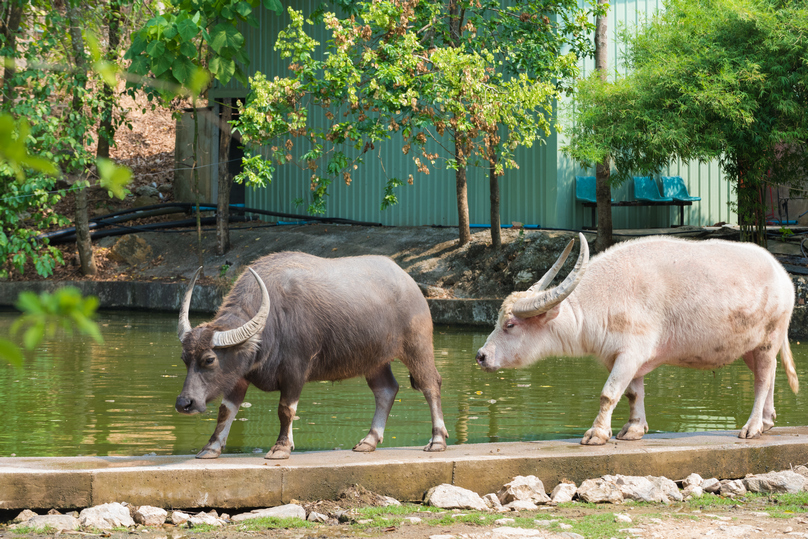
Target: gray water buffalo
x=651 y=302
x=295 y=318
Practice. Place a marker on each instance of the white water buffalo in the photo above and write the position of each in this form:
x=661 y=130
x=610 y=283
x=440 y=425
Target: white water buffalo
x=294 y=318
x=650 y=302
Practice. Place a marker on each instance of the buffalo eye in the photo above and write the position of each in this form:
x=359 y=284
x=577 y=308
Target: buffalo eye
x=509 y=325
x=207 y=361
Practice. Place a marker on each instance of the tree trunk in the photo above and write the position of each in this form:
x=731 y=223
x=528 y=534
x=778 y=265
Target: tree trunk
x=82 y=221
x=225 y=181
x=106 y=127
x=493 y=181
x=9 y=28
x=603 y=192
x=464 y=231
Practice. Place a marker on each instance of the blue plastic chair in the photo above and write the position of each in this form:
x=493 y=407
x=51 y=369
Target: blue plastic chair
x=645 y=188
x=585 y=189
x=674 y=187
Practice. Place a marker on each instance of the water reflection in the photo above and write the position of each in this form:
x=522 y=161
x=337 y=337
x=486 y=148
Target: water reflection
x=76 y=397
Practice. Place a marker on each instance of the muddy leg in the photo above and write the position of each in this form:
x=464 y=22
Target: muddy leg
x=762 y=363
x=227 y=413
x=419 y=359
x=287 y=407
x=637 y=425
x=621 y=376
x=384 y=387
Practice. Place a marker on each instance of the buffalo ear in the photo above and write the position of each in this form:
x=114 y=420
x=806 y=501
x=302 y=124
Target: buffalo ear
x=552 y=313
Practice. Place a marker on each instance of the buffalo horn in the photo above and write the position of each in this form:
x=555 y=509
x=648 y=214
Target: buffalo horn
x=544 y=300
x=232 y=337
x=542 y=283
x=185 y=325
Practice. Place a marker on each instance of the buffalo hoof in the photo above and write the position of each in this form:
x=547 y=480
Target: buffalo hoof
x=436 y=446
x=364 y=447
x=632 y=431
x=208 y=454
x=278 y=453
x=596 y=437
x=748 y=433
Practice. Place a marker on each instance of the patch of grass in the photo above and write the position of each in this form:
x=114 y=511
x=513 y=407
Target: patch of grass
x=403 y=509
x=266 y=523
x=783 y=505
x=711 y=500
x=27 y=530
x=597 y=526
x=470 y=517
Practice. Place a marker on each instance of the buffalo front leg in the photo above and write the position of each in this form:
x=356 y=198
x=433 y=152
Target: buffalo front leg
x=619 y=379
x=637 y=425
x=227 y=413
x=287 y=407
x=385 y=388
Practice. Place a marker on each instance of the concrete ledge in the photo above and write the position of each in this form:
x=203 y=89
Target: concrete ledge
x=239 y=481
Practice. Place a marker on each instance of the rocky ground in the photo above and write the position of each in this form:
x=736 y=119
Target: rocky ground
x=769 y=505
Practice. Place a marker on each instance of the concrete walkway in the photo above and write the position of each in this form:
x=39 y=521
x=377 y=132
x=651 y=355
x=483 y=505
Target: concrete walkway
x=239 y=481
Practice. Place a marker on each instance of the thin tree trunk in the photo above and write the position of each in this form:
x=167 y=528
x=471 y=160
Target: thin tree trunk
x=603 y=192
x=195 y=175
x=106 y=127
x=464 y=231
x=493 y=181
x=12 y=18
x=82 y=219
x=225 y=181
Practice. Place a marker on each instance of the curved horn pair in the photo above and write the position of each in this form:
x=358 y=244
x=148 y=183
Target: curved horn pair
x=231 y=337
x=542 y=300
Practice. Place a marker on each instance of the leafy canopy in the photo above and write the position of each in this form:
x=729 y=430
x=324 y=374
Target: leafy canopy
x=402 y=68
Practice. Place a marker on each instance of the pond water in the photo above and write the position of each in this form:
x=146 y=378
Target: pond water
x=75 y=397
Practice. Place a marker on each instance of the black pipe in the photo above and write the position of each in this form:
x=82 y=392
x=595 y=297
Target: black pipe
x=122 y=230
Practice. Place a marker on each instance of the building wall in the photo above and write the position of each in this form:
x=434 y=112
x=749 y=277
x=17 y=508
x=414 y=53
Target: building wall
x=541 y=192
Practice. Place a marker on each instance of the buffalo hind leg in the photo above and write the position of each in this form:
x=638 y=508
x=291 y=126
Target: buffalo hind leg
x=227 y=413
x=637 y=426
x=762 y=362
x=385 y=388
x=419 y=359
x=287 y=407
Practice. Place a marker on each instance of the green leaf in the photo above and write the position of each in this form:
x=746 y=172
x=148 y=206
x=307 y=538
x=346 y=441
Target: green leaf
x=181 y=69
x=223 y=69
x=34 y=335
x=114 y=178
x=156 y=49
x=162 y=64
x=244 y=9
x=274 y=5
x=198 y=81
x=188 y=30
x=225 y=35
x=226 y=13
x=10 y=353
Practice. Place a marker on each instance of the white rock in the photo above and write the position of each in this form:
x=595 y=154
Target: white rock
x=711 y=485
x=106 y=516
x=503 y=521
x=622 y=517
x=57 y=522
x=803 y=471
x=521 y=505
x=599 y=490
x=205 y=519
x=565 y=526
x=738 y=531
x=693 y=479
x=732 y=487
x=492 y=501
x=290 y=510
x=178 y=518
x=387 y=501
x=632 y=531
x=412 y=520
x=442 y=536
x=150 y=516
x=692 y=492
x=563 y=492
x=544 y=523
x=523 y=487
x=24 y=515
x=314 y=516
x=507 y=532
x=786 y=481
x=448 y=496
x=571 y=535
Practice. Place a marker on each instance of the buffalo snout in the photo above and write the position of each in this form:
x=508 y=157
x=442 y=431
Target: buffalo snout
x=484 y=361
x=186 y=405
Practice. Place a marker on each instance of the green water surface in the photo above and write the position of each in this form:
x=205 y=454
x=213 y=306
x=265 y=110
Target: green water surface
x=76 y=397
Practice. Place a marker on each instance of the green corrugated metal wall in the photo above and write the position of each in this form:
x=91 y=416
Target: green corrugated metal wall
x=541 y=191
